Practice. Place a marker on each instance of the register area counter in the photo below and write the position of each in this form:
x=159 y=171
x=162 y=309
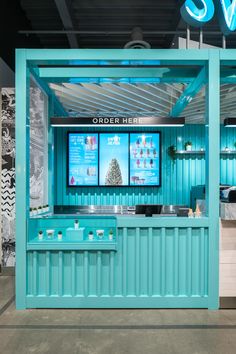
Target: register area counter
x=135 y=261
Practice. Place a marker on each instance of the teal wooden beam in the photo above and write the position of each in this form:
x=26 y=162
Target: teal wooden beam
x=22 y=174
x=114 y=80
x=58 y=107
x=228 y=56
x=62 y=56
x=189 y=93
x=213 y=172
x=60 y=74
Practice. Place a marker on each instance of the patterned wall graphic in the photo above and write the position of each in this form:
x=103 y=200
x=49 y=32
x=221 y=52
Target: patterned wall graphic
x=37 y=161
x=8 y=177
x=38 y=157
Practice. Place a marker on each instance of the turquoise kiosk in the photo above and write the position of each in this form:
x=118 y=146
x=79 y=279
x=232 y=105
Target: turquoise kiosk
x=144 y=262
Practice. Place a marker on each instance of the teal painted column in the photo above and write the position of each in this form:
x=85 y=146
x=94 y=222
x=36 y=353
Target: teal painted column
x=22 y=174
x=212 y=172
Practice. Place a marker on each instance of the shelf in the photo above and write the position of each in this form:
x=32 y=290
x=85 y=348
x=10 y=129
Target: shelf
x=202 y=152
x=67 y=245
x=230 y=152
x=192 y=152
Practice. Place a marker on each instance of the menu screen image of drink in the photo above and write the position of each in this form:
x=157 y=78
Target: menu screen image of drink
x=82 y=159
x=145 y=159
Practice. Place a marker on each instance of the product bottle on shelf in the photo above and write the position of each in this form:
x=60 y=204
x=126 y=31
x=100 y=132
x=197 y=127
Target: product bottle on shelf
x=90 y=235
x=110 y=236
x=59 y=235
x=190 y=213
x=76 y=224
x=197 y=212
x=40 y=235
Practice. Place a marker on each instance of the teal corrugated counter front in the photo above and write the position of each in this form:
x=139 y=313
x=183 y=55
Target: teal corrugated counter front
x=152 y=262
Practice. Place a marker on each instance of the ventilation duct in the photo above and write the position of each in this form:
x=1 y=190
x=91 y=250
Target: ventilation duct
x=137 y=41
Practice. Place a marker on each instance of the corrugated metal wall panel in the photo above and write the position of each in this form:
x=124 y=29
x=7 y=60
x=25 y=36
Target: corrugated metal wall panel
x=177 y=176
x=148 y=262
x=228 y=162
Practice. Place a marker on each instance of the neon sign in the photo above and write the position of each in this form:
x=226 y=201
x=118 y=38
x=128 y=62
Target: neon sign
x=198 y=12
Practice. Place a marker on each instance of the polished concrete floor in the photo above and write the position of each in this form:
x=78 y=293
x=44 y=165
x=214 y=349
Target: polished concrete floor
x=113 y=331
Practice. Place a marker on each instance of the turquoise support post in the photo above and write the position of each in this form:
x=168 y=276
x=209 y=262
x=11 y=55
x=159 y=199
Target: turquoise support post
x=22 y=174
x=192 y=89
x=212 y=172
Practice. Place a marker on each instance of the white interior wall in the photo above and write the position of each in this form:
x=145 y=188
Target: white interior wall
x=181 y=43
x=7 y=76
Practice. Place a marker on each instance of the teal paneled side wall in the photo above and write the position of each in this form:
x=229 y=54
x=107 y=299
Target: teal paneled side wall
x=177 y=176
x=228 y=163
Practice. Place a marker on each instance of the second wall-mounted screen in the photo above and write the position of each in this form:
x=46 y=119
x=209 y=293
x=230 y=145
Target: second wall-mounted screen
x=145 y=159
x=114 y=159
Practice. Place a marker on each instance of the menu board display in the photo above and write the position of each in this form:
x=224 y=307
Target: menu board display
x=82 y=159
x=114 y=159
x=145 y=159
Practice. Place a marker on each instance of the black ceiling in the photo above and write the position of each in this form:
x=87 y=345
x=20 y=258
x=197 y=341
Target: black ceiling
x=100 y=24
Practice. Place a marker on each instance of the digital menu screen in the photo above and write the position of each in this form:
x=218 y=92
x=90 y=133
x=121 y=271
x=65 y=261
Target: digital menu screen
x=144 y=159
x=114 y=159
x=82 y=159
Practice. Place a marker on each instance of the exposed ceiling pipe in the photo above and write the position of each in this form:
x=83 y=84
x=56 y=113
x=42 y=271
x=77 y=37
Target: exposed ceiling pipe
x=114 y=33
